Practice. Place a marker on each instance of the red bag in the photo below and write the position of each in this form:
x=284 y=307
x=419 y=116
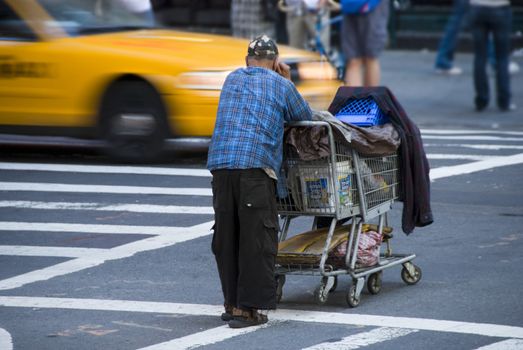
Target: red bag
x=368 y=249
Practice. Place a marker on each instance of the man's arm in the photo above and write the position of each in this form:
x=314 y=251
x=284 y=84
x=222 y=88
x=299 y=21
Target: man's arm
x=297 y=107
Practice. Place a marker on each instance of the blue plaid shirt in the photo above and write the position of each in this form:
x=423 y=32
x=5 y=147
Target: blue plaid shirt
x=254 y=104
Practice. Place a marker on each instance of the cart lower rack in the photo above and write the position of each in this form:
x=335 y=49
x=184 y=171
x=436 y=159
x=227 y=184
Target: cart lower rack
x=342 y=185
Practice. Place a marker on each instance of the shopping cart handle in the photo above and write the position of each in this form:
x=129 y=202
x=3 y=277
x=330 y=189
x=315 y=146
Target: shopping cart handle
x=308 y=123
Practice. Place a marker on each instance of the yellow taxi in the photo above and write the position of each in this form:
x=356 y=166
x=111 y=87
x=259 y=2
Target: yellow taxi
x=92 y=69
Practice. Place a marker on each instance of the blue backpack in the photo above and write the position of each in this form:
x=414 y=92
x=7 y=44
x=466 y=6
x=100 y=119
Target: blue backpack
x=358 y=6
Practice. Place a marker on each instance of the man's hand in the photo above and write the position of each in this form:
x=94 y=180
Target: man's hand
x=282 y=69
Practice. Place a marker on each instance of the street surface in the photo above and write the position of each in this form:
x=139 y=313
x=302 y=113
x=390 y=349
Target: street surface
x=96 y=255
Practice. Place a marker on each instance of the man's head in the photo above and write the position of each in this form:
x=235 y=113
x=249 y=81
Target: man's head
x=262 y=51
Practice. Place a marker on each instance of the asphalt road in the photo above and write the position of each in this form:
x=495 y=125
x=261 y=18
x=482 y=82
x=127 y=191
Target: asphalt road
x=95 y=255
x=98 y=256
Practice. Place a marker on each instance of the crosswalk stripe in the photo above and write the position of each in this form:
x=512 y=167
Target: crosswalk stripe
x=6 y=342
x=468 y=168
x=88 y=228
x=57 y=187
x=475 y=146
x=509 y=344
x=295 y=315
x=472 y=138
x=452 y=157
x=66 y=252
x=119 y=252
x=105 y=169
x=468 y=132
x=207 y=337
x=363 y=339
x=135 y=208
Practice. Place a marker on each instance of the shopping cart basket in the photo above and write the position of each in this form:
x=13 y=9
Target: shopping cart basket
x=341 y=185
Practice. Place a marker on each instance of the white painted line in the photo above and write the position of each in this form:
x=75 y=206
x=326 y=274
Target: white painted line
x=6 y=343
x=473 y=146
x=509 y=344
x=66 y=252
x=468 y=132
x=119 y=252
x=81 y=228
x=56 y=187
x=363 y=339
x=105 y=169
x=455 y=157
x=472 y=138
x=484 y=329
x=135 y=208
x=476 y=166
x=208 y=337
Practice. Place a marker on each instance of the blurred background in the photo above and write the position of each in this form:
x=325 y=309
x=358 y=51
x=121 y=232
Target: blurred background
x=135 y=88
x=413 y=24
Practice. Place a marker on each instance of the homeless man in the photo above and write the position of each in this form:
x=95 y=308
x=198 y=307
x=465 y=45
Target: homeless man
x=245 y=157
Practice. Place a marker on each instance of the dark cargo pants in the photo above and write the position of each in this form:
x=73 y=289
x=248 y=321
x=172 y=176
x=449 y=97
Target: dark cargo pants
x=245 y=240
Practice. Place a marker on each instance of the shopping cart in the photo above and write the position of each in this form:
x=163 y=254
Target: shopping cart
x=341 y=185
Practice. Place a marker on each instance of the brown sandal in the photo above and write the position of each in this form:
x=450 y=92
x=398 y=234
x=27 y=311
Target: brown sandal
x=242 y=319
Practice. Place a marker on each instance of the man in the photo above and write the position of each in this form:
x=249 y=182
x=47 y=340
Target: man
x=245 y=157
x=445 y=57
x=458 y=19
x=491 y=17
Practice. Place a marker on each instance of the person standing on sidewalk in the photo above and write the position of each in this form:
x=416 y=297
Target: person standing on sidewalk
x=447 y=46
x=363 y=38
x=302 y=21
x=245 y=156
x=458 y=20
x=491 y=17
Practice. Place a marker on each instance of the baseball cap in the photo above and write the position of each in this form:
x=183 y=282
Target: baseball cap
x=262 y=47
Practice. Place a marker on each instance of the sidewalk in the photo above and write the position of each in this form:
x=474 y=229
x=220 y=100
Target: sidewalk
x=446 y=102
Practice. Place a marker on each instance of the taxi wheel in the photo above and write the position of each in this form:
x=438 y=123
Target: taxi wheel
x=133 y=122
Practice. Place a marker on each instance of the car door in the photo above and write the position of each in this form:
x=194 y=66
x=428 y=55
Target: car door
x=32 y=92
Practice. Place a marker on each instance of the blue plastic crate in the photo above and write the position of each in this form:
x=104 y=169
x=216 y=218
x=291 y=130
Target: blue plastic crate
x=362 y=112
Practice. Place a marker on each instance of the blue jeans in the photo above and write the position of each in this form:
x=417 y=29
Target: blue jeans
x=148 y=16
x=447 y=45
x=495 y=21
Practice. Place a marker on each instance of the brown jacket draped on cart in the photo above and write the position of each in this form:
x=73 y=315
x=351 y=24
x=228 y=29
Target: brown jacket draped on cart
x=414 y=166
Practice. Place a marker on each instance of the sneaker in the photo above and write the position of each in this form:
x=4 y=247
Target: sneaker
x=242 y=319
x=513 y=67
x=509 y=108
x=449 y=71
x=227 y=315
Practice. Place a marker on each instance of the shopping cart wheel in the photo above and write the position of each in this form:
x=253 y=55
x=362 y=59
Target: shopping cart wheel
x=352 y=298
x=321 y=294
x=410 y=274
x=374 y=283
x=280 y=280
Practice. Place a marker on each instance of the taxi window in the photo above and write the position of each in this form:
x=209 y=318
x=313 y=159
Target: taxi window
x=12 y=27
